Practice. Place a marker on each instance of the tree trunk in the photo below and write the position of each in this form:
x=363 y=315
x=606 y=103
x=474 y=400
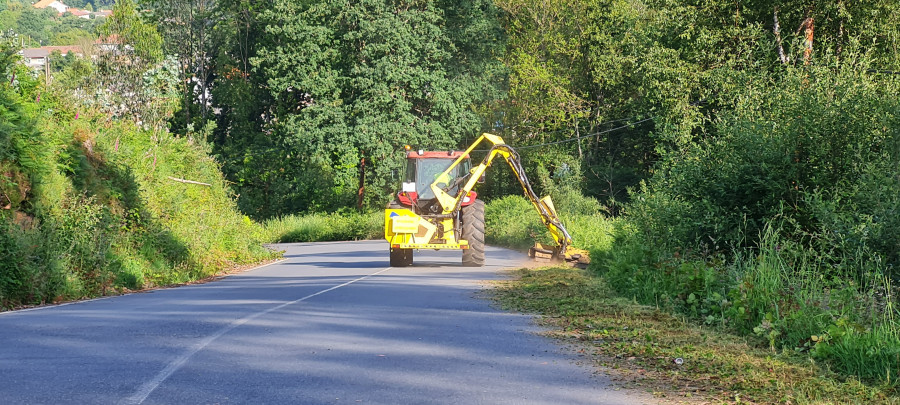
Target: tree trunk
x=777 y=30
x=362 y=184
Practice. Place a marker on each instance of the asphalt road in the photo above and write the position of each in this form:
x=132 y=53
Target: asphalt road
x=332 y=324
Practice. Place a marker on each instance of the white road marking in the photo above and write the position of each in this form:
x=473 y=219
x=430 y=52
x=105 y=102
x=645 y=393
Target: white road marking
x=145 y=390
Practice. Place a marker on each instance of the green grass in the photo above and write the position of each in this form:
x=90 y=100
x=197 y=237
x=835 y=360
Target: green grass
x=642 y=342
x=88 y=207
x=512 y=222
x=842 y=315
x=324 y=227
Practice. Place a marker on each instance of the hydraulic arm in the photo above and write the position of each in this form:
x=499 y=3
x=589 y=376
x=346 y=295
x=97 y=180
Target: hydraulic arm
x=544 y=206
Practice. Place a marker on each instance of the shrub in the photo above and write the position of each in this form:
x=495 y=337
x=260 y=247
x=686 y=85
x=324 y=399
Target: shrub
x=811 y=135
x=511 y=221
x=788 y=295
x=780 y=220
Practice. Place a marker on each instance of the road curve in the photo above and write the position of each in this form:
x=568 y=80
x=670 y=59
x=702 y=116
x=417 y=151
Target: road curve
x=332 y=324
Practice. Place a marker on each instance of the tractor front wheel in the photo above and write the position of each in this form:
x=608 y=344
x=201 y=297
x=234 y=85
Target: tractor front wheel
x=473 y=231
x=401 y=257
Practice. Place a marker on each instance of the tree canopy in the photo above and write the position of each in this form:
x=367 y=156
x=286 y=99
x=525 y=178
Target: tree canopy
x=347 y=83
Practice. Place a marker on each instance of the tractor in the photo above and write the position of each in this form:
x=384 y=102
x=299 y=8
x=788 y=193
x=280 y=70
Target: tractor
x=437 y=208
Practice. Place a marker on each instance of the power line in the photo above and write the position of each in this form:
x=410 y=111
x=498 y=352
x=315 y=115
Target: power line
x=577 y=124
x=586 y=136
x=578 y=137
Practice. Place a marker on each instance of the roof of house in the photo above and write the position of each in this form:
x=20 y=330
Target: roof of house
x=78 y=13
x=44 y=3
x=63 y=49
x=32 y=53
x=103 y=13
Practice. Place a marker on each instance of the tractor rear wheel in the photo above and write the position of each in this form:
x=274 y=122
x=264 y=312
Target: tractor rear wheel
x=473 y=231
x=401 y=257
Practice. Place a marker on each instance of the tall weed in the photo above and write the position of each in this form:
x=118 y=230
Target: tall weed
x=789 y=296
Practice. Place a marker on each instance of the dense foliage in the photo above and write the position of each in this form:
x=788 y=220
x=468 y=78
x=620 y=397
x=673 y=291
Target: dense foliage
x=342 y=87
x=88 y=204
x=763 y=192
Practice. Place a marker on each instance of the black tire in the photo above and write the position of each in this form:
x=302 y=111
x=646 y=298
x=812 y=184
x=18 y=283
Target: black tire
x=473 y=231
x=401 y=257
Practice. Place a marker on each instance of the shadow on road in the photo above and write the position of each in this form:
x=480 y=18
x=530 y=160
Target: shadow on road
x=411 y=335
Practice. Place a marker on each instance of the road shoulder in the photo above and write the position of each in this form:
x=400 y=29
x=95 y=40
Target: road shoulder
x=642 y=348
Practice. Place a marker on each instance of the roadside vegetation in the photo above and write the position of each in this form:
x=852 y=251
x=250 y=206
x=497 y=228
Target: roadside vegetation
x=761 y=201
x=346 y=225
x=779 y=228
x=640 y=308
x=93 y=204
x=653 y=350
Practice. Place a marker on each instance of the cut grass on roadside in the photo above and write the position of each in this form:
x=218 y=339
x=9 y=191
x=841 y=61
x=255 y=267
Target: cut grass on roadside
x=643 y=343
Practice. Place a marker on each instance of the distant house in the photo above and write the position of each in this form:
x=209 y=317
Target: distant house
x=35 y=57
x=55 y=4
x=80 y=13
x=103 y=13
x=65 y=50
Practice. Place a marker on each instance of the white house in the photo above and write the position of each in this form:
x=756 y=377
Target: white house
x=35 y=58
x=55 y=4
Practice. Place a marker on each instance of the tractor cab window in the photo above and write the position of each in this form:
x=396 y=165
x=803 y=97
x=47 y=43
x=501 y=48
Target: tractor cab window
x=426 y=171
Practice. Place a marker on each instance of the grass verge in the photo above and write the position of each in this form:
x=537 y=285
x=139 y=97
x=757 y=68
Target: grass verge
x=324 y=227
x=642 y=343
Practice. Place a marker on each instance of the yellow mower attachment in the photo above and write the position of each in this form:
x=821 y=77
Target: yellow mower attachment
x=549 y=253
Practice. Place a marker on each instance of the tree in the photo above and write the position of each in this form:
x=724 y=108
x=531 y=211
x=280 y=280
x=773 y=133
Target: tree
x=9 y=20
x=71 y=37
x=138 y=40
x=187 y=26
x=33 y=24
x=358 y=81
x=131 y=47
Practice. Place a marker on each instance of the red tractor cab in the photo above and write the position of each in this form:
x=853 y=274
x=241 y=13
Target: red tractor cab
x=424 y=168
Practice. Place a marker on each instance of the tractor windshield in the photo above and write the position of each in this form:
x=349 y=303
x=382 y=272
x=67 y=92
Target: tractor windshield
x=424 y=171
